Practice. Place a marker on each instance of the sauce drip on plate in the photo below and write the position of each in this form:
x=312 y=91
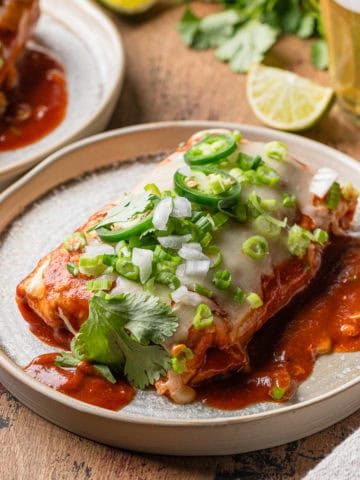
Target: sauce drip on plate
x=37 y=104
x=82 y=382
x=323 y=319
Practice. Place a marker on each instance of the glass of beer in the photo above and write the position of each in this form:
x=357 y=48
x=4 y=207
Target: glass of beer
x=342 y=27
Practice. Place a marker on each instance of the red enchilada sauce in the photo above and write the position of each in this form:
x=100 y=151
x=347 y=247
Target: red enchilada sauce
x=37 y=104
x=323 y=319
x=83 y=383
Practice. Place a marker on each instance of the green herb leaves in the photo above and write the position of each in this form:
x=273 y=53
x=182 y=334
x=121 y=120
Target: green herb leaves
x=127 y=209
x=247 y=29
x=248 y=45
x=124 y=333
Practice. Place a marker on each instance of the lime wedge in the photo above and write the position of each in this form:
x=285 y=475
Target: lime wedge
x=129 y=7
x=284 y=100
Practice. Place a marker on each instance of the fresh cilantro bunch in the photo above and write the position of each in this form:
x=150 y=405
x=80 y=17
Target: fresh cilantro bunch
x=246 y=29
x=123 y=334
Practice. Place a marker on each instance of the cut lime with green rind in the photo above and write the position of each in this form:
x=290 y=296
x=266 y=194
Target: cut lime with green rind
x=128 y=7
x=284 y=100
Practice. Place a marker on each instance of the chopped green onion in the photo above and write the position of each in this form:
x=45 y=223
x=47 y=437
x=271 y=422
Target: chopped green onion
x=122 y=249
x=299 y=240
x=73 y=268
x=239 y=296
x=237 y=136
x=179 y=360
x=266 y=228
x=149 y=286
x=169 y=279
x=333 y=196
x=266 y=175
x=203 y=317
x=97 y=285
x=276 y=150
x=127 y=269
x=349 y=192
x=206 y=239
x=151 y=187
x=320 y=236
x=220 y=219
x=92 y=266
x=75 y=241
x=269 y=204
x=278 y=393
x=289 y=200
x=241 y=213
x=256 y=247
x=217 y=184
x=215 y=256
x=167 y=266
x=203 y=290
x=256 y=206
x=109 y=260
x=254 y=300
x=222 y=279
x=246 y=162
x=205 y=224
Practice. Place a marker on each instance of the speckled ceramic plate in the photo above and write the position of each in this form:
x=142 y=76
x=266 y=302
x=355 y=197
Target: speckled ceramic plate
x=89 y=46
x=58 y=195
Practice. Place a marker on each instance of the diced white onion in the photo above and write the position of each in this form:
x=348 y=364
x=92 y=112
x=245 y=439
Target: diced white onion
x=198 y=268
x=123 y=285
x=174 y=241
x=182 y=208
x=162 y=213
x=182 y=295
x=143 y=259
x=322 y=181
x=94 y=250
x=192 y=251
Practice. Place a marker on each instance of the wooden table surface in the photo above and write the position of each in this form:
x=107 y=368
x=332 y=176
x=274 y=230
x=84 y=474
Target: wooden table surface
x=165 y=81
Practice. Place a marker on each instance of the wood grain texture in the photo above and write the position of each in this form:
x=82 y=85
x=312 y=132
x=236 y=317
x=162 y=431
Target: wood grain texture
x=166 y=81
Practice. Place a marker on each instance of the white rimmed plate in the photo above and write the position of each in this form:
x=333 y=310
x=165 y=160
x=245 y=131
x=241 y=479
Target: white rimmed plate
x=150 y=423
x=89 y=46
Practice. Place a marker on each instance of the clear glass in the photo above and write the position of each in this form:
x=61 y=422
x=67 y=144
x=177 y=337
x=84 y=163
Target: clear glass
x=342 y=26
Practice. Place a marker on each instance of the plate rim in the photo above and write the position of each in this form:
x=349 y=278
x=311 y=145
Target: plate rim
x=119 y=416
x=112 y=93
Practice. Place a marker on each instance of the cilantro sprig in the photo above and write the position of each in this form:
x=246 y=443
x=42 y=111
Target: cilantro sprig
x=246 y=29
x=123 y=334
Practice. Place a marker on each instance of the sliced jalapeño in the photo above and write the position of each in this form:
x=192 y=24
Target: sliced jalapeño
x=207 y=186
x=126 y=230
x=210 y=149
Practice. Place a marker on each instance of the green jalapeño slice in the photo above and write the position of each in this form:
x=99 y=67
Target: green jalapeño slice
x=132 y=216
x=207 y=186
x=210 y=149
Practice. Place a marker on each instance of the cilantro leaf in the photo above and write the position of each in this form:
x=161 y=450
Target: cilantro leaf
x=319 y=54
x=67 y=359
x=118 y=333
x=218 y=27
x=188 y=27
x=248 y=45
x=144 y=364
x=128 y=207
x=307 y=26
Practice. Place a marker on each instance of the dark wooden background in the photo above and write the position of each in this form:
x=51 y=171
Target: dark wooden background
x=165 y=81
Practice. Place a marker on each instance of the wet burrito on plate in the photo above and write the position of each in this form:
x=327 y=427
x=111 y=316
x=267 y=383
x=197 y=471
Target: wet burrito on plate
x=168 y=284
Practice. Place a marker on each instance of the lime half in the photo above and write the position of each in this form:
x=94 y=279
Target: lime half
x=284 y=100
x=129 y=7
